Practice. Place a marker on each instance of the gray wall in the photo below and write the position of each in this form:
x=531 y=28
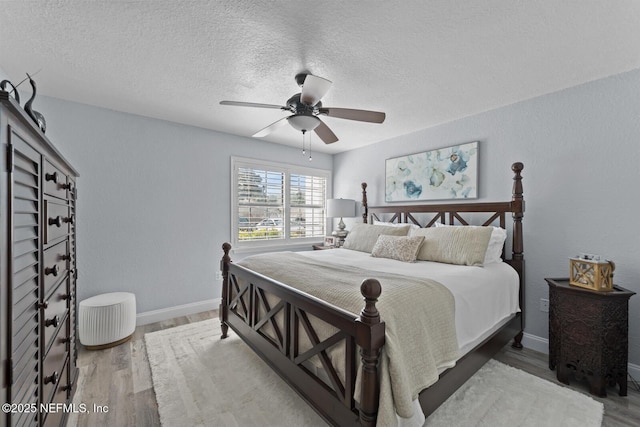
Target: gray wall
x=153 y=200
x=580 y=148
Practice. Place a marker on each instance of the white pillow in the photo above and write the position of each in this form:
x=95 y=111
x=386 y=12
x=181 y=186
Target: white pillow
x=496 y=242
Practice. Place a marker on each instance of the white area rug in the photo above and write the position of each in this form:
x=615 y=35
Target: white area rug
x=201 y=380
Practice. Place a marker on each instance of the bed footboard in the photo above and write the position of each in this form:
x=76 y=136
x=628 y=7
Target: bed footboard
x=280 y=324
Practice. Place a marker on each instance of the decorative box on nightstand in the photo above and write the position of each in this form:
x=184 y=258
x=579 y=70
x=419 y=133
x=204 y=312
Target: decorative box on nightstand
x=588 y=335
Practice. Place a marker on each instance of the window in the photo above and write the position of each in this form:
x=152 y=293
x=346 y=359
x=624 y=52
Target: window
x=277 y=204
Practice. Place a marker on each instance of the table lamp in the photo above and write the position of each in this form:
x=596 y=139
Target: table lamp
x=339 y=208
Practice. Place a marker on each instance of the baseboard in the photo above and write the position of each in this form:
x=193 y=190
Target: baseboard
x=176 y=311
x=536 y=343
x=634 y=371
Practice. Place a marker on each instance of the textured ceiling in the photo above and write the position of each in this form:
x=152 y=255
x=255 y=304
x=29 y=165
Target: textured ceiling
x=421 y=62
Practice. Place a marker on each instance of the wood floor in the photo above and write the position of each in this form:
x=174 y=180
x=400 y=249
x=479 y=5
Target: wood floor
x=119 y=379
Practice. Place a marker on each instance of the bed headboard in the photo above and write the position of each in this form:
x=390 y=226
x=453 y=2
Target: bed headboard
x=453 y=213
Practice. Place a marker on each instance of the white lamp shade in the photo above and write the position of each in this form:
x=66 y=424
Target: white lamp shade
x=339 y=208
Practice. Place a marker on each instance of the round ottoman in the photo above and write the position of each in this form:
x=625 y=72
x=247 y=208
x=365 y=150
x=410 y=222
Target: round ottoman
x=106 y=320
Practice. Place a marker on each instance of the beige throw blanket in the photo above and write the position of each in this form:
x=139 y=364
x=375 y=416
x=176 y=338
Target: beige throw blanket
x=418 y=313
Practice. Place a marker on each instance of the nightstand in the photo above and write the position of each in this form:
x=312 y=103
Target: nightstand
x=588 y=335
x=321 y=247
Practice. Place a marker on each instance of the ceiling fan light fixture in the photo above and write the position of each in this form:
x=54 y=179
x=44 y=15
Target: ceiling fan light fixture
x=302 y=122
x=305 y=107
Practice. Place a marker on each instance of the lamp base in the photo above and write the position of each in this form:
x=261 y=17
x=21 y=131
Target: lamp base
x=340 y=235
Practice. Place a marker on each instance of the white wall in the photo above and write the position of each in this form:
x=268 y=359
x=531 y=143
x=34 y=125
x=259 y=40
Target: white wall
x=580 y=148
x=153 y=200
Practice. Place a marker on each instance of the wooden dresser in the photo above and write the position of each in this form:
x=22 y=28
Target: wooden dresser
x=38 y=274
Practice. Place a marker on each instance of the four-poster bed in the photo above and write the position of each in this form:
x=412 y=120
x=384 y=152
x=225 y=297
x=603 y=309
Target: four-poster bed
x=298 y=334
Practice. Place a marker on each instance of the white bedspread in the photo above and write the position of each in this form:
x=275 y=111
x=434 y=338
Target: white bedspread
x=484 y=296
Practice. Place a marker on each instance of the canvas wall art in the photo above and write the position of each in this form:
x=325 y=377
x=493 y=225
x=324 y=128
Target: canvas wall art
x=445 y=173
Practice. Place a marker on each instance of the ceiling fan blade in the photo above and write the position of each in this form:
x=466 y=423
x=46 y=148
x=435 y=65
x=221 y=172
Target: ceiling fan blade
x=351 y=114
x=313 y=89
x=252 y=104
x=325 y=134
x=273 y=126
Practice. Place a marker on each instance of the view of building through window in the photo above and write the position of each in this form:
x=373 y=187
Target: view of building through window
x=277 y=204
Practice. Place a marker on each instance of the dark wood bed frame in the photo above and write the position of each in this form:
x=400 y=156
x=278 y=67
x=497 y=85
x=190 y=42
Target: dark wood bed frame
x=247 y=311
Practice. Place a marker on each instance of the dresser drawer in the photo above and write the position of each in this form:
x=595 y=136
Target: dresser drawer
x=55 y=182
x=55 y=313
x=52 y=370
x=57 y=413
x=55 y=265
x=57 y=219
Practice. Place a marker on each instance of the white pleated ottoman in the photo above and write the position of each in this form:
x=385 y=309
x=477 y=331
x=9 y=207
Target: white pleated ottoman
x=106 y=320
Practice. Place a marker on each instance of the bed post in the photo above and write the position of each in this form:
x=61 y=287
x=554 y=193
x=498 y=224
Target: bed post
x=370 y=338
x=517 y=255
x=222 y=311
x=365 y=205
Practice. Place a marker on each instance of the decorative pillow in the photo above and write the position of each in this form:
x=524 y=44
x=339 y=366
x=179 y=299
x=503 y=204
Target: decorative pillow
x=402 y=248
x=465 y=245
x=363 y=237
x=496 y=242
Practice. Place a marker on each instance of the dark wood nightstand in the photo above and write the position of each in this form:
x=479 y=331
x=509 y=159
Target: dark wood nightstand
x=321 y=247
x=588 y=335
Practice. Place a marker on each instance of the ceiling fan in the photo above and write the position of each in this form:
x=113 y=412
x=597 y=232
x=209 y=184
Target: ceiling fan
x=306 y=107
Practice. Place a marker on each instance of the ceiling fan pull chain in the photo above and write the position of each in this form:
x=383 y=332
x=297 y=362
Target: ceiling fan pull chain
x=309 y=147
x=303 y=151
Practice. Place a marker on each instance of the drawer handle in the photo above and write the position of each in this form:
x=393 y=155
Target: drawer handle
x=44 y=305
x=67 y=186
x=65 y=257
x=65 y=339
x=52 y=379
x=52 y=177
x=68 y=296
x=68 y=219
x=52 y=322
x=52 y=270
x=67 y=387
x=56 y=221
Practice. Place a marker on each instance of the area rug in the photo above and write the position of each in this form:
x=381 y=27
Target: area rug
x=201 y=380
